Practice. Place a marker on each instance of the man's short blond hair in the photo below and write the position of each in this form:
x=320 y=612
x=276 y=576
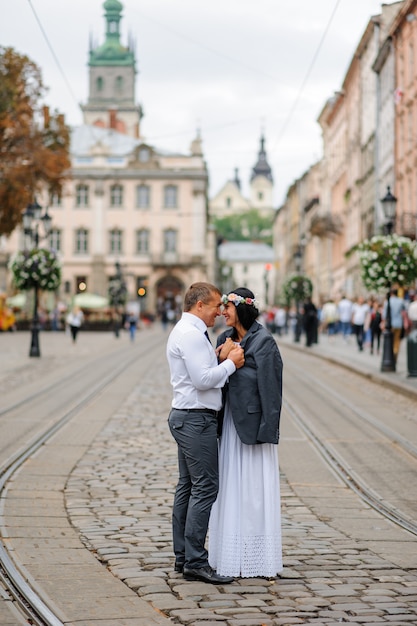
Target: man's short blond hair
x=200 y=291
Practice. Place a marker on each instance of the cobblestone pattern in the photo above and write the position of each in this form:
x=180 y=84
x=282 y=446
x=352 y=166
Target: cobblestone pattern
x=120 y=495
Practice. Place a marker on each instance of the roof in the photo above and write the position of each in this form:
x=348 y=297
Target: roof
x=111 y=52
x=262 y=167
x=245 y=251
x=84 y=138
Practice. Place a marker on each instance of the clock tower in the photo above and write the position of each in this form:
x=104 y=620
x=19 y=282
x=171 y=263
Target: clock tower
x=112 y=72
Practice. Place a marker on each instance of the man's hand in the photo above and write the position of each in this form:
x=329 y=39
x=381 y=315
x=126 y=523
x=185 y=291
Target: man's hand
x=237 y=356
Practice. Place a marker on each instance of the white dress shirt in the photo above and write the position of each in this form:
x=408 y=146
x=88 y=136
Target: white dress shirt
x=196 y=376
x=359 y=312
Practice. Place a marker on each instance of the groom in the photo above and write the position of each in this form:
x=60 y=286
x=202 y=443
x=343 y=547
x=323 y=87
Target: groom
x=197 y=380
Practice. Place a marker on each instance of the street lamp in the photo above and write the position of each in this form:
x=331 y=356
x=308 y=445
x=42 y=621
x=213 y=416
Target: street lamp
x=389 y=204
x=117 y=294
x=32 y=218
x=268 y=268
x=298 y=257
x=388 y=361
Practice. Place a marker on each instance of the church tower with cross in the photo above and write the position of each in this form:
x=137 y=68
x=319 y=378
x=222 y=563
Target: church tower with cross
x=261 y=181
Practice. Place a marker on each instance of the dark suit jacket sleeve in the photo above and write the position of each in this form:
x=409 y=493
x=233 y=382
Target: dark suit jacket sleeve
x=269 y=374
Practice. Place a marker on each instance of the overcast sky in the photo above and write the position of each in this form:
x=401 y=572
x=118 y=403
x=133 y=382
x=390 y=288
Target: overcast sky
x=228 y=67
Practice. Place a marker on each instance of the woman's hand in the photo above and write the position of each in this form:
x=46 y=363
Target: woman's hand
x=223 y=350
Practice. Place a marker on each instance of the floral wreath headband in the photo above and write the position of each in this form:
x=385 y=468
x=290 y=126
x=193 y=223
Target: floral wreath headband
x=233 y=297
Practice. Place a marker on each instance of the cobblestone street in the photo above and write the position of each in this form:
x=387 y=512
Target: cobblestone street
x=119 y=497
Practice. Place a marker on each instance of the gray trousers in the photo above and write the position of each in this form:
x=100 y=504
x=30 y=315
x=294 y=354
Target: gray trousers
x=198 y=484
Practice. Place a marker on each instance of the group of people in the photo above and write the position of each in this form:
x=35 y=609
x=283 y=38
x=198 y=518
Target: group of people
x=367 y=319
x=225 y=419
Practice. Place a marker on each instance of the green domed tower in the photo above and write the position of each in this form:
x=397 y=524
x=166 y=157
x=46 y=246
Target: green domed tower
x=112 y=72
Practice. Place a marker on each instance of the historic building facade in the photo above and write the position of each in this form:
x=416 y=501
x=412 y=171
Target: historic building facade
x=126 y=201
x=368 y=130
x=244 y=263
x=229 y=200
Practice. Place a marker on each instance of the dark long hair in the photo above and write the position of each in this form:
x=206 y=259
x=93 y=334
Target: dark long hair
x=246 y=313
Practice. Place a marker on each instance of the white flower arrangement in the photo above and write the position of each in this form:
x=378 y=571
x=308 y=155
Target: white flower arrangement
x=297 y=288
x=36 y=268
x=387 y=260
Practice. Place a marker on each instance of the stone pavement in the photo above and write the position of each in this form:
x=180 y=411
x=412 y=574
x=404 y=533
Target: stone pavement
x=346 y=353
x=119 y=498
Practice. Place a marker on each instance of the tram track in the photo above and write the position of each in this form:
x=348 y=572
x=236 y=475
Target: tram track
x=17 y=587
x=36 y=610
x=351 y=421
x=328 y=392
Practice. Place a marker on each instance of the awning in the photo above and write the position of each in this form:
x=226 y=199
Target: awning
x=90 y=301
x=16 y=302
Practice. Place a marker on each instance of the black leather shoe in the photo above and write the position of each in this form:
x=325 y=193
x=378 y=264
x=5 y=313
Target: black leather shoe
x=206 y=575
x=178 y=567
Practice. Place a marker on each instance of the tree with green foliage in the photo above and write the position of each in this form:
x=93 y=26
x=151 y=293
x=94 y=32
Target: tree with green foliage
x=34 y=144
x=248 y=226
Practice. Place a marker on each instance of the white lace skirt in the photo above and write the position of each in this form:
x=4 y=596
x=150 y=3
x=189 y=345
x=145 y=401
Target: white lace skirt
x=245 y=522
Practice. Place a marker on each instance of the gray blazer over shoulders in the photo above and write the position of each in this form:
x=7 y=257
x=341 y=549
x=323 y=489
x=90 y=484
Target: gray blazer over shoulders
x=255 y=390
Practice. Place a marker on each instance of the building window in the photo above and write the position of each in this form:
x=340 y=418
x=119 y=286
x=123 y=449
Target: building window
x=144 y=155
x=142 y=241
x=81 y=241
x=82 y=195
x=100 y=83
x=119 y=84
x=260 y=195
x=228 y=202
x=170 y=240
x=55 y=200
x=170 y=196
x=116 y=237
x=143 y=196
x=55 y=240
x=116 y=195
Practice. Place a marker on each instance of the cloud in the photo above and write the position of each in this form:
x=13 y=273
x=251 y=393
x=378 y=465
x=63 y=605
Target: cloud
x=229 y=67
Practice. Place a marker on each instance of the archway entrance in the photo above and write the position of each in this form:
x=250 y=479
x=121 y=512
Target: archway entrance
x=169 y=296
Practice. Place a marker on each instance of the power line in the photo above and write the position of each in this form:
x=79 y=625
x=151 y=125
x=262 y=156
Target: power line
x=213 y=51
x=204 y=46
x=52 y=51
x=307 y=76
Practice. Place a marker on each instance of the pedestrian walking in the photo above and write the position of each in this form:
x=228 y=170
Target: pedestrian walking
x=197 y=380
x=245 y=523
x=329 y=317
x=280 y=320
x=397 y=308
x=132 y=323
x=310 y=321
x=359 y=312
x=344 y=309
x=75 y=320
x=375 y=321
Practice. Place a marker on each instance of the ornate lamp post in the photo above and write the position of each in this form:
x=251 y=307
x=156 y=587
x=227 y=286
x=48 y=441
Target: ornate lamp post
x=117 y=295
x=389 y=203
x=298 y=260
x=32 y=218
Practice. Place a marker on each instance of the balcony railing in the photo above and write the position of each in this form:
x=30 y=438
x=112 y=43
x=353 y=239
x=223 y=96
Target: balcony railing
x=172 y=259
x=326 y=225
